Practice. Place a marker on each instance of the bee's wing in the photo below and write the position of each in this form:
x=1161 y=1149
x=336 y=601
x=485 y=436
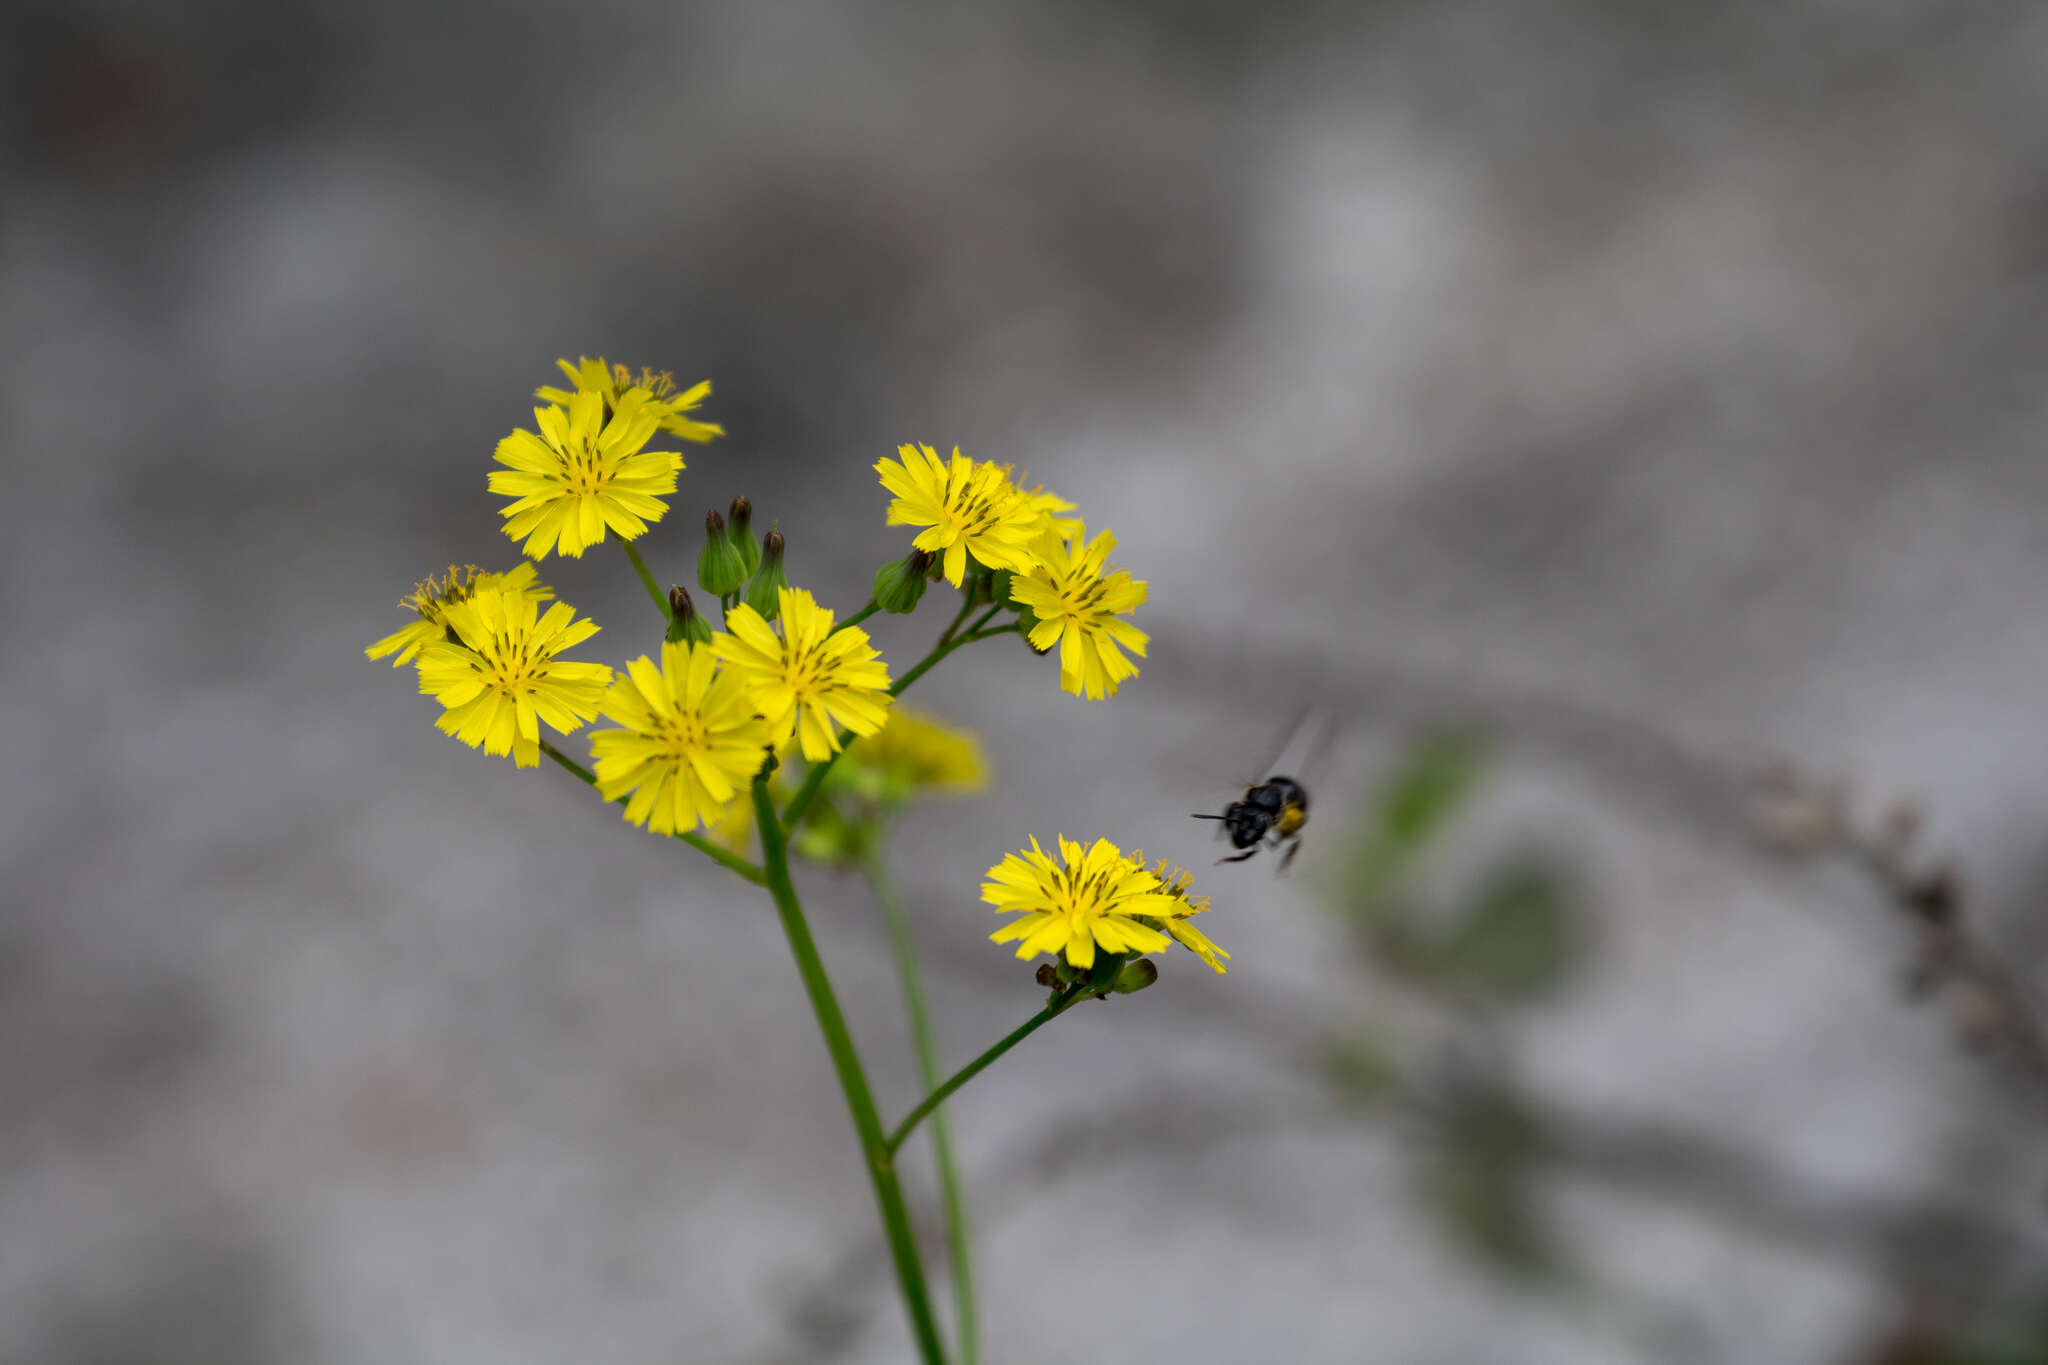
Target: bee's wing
x=1322 y=743
x=1297 y=722
x=1311 y=733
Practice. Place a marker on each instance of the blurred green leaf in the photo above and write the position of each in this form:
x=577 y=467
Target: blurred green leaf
x=1430 y=789
x=1364 y=1070
x=1478 y=1179
x=2014 y=1338
x=1432 y=786
x=1516 y=938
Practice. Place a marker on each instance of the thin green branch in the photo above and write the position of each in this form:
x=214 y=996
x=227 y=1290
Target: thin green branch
x=860 y=1102
x=951 y=1193
x=725 y=858
x=981 y=1063
x=966 y=606
x=863 y=614
x=647 y=580
x=568 y=763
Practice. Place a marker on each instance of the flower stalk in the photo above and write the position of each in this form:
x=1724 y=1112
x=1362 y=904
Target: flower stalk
x=952 y=1195
x=647 y=579
x=1060 y=1005
x=860 y=1101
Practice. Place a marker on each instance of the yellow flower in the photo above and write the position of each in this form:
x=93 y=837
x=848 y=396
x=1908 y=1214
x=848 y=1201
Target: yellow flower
x=913 y=753
x=617 y=385
x=503 y=678
x=582 y=474
x=809 y=680
x=691 y=741
x=966 y=507
x=432 y=596
x=1077 y=597
x=1047 y=505
x=1099 y=899
x=1177 y=883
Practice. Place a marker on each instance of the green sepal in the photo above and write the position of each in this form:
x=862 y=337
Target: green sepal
x=720 y=570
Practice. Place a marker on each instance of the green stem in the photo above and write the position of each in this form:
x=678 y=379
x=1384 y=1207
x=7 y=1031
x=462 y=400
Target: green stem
x=815 y=778
x=860 y=1102
x=966 y=606
x=985 y=617
x=725 y=858
x=979 y=1064
x=863 y=614
x=951 y=1193
x=647 y=579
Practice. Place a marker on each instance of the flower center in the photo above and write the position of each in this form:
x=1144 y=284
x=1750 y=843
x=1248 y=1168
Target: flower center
x=1081 y=599
x=583 y=470
x=681 y=737
x=972 y=507
x=515 y=665
x=805 y=673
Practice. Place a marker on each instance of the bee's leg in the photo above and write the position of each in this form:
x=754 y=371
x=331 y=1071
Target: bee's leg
x=1242 y=856
x=1287 y=858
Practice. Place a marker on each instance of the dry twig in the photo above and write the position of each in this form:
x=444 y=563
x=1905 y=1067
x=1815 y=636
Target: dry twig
x=1803 y=817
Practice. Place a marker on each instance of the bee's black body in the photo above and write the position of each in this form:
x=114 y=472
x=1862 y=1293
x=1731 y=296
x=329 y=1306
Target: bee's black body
x=1275 y=809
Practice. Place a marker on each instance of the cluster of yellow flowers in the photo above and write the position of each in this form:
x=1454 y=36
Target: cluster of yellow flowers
x=694 y=727
x=1073 y=596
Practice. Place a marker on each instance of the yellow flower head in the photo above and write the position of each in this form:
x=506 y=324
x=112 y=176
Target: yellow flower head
x=1077 y=596
x=914 y=753
x=1099 y=899
x=808 y=680
x=619 y=386
x=432 y=596
x=503 y=678
x=1048 y=505
x=966 y=507
x=691 y=741
x=582 y=474
x=1178 y=884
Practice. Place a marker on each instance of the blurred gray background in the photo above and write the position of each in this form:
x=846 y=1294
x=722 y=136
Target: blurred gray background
x=1655 y=389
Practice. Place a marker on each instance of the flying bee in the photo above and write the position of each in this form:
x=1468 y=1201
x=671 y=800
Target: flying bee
x=1271 y=813
x=1275 y=810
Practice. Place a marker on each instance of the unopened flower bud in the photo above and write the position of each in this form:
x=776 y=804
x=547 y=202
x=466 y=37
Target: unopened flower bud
x=899 y=584
x=742 y=515
x=762 y=594
x=1102 y=976
x=685 y=621
x=999 y=587
x=1135 y=976
x=720 y=570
